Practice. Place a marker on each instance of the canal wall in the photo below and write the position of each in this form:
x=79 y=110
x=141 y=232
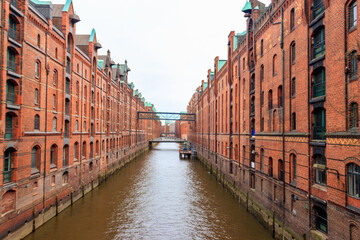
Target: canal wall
x=237 y=184
x=41 y=212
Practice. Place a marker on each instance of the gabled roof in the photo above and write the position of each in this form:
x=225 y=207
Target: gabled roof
x=57 y=10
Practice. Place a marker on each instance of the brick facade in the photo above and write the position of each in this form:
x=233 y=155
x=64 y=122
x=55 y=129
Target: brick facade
x=68 y=115
x=279 y=117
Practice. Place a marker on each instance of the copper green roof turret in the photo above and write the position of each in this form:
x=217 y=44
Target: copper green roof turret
x=247 y=8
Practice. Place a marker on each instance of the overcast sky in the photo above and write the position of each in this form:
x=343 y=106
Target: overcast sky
x=169 y=44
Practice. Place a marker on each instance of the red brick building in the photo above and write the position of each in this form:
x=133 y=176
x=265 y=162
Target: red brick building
x=68 y=115
x=278 y=120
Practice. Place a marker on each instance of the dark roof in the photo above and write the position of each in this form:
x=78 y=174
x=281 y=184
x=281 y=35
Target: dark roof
x=57 y=10
x=82 y=40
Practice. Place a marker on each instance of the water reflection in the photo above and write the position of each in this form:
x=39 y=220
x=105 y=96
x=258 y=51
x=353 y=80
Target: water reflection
x=157 y=196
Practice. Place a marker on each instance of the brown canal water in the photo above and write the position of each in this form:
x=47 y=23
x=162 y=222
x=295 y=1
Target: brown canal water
x=157 y=196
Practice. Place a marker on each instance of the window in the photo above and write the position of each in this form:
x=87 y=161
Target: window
x=67 y=129
x=56 y=53
x=274 y=65
x=293 y=87
x=67 y=107
x=11 y=60
x=353 y=64
x=353 y=14
x=54 y=101
x=270 y=170
x=318 y=43
x=318 y=83
x=84 y=150
x=353 y=180
x=77 y=88
x=243 y=63
x=354 y=115
x=262 y=99
x=280 y=97
x=54 y=124
x=37 y=122
x=37 y=69
x=76 y=125
x=293 y=121
x=318 y=8
x=281 y=174
x=38 y=40
x=10 y=92
x=7 y=166
x=12 y=28
x=252 y=156
x=54 y=77
x=292 y=19
x=293 y=168
x=68 y=67
x=66 y=156
x=319 y=124
x=36 y=96
x=293 y=53
x=53 y=156
x=320 y=169
x=84 y=126
x=9 y=126
x=35 y=159
x=76 y=151
x=262 y=47
x=262 y=160
x=320 y=219
x=270 y=99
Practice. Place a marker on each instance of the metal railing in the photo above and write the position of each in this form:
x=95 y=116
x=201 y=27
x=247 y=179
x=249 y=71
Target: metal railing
x=12 y=33
x=319 y=89
x=319 y=133
x=318 y=49
x=7 y=176
x=10 y=98
x=11 y=65
x=318 y=8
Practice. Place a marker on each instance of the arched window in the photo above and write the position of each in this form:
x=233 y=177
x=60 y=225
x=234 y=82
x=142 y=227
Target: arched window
x=66 y=156
x=293 y=121
x=37 y=69
x=262 y=47
x=319 y=124
x=293 y=53
x=270 y=170
x=36 y=98
x=270 y=99
x=262 y=160
x=318 y=83
x=76 y=125
x=11 y=60
x=10 y=92
x=281 y=173
x=84 y=150
x=35 y=159
x=53 y=156
x=67 y=106
x=54 y=77
x=354 y=65
x=12 y=32
x=318 y=45
x=77 y=88
x=318 y=8
x=68 y=65
x=292 y=19
x=320 y=169
x=38 y=40
x=37 y=122
x=56 y=53
x=293 y=87
x=354 y=115
x=262 y=73
x=353 y=180
x=76 y=151
x=54 y=124
x=280 y=96
x=8 y=157
x=274 y=65
x=293 y=170
x=67 y=129
x=353 y=15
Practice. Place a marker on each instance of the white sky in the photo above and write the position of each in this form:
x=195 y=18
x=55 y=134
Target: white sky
x=169 y=44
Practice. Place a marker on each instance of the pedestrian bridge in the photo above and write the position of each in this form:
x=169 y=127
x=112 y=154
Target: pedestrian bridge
x=167 y=140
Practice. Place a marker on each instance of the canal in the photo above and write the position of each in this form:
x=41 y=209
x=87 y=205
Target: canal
x=157 y=196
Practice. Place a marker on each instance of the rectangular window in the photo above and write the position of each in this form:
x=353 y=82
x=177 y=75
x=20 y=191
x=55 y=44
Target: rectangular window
x=353 y=14
x=36 y=96
x=319 y=43
x=319 y=83
x=318 y=8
